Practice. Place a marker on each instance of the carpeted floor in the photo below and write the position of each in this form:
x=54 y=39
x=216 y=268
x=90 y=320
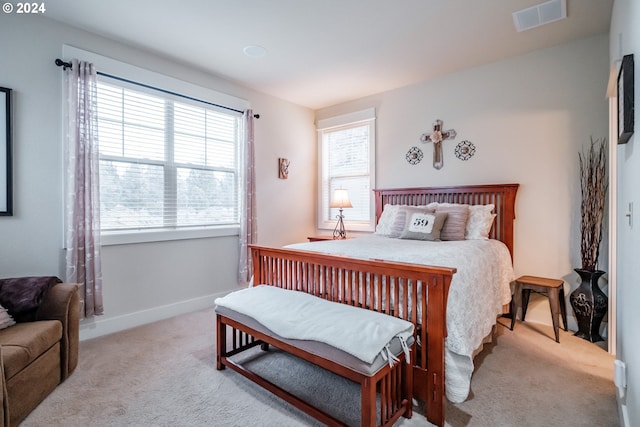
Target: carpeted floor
x=163 y=374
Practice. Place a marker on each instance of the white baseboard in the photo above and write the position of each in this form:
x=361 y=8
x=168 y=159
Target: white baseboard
x=98 y=326
x=623 y=411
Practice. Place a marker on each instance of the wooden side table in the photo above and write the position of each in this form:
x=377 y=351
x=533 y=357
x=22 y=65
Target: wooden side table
x=319 y=238
x=552 y=288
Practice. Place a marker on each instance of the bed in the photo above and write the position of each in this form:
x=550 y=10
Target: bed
x=414 y=293
x=475 y=299
x=411 y=292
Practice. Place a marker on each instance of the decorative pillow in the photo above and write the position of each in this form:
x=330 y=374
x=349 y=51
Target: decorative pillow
x=479 y=216
x=455 y=226
x=423 y=224
x=5 y=318
x=386 y=220
x=399 y=223
x=480 y=221
x=22 y=296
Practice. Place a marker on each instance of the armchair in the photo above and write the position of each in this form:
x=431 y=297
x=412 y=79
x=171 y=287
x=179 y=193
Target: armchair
x=38 y=355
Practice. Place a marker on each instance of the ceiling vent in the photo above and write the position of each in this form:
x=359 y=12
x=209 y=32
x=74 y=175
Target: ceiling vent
x=541 y=14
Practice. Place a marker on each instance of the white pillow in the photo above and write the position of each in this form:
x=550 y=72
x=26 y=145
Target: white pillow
x=5 y=318
x=479 y=222
x=386 y=220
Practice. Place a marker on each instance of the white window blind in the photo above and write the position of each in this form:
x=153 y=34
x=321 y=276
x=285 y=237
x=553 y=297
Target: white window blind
x=347 y=161
x=165 y=162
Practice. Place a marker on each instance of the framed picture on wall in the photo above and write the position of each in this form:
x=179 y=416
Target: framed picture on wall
x=6 y=173
x=625 y=100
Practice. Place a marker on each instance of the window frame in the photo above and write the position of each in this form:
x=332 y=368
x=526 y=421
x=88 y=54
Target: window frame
x=153 y=79
x=324 y=126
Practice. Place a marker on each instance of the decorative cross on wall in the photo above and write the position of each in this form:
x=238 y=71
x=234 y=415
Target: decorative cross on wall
x=437 y=136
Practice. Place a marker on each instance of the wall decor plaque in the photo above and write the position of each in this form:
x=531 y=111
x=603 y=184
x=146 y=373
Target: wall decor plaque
x=6 y=161
x=414 y=155
x=625 y=100
x=465 y=150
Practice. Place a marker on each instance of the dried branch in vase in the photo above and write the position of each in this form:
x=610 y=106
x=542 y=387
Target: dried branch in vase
x=594 y=185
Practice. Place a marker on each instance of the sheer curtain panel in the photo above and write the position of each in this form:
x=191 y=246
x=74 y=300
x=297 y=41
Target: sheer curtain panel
x=82 y=220
x=248 y=220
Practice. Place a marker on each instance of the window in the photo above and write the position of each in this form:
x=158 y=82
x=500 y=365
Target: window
x=347 y=152
x=166 y=162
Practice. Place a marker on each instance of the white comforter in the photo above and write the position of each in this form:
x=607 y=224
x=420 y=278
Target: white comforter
x=479 y=289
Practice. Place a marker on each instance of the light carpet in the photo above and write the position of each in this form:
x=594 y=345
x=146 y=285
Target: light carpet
x=163 y=374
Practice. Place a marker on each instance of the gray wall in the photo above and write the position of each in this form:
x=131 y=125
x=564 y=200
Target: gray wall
x=528 y=117
x=142 y=282
x=625 y=28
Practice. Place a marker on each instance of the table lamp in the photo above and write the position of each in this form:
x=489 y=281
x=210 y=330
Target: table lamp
x=340 y=200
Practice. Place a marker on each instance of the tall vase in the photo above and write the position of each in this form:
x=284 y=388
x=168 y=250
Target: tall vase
x=589 y=304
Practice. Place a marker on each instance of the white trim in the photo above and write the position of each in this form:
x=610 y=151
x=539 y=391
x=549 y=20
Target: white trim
x=96 y=327
x=613 y=225
x=350 y=118
x=131 y=72
x=366 y=115
x=348 y=225
x=623 y=411
x=146 y=236
x=612 y=278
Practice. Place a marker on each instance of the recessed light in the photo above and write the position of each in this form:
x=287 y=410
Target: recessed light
x=254 y=51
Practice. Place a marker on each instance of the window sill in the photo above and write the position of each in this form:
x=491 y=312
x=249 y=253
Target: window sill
x=359 y=227
x=126 y=238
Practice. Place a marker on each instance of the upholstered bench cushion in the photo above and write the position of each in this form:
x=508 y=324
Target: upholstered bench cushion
x=318 y=348
x=23 y=343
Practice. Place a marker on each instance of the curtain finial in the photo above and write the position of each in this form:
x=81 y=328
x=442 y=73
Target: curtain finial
x=64 y=65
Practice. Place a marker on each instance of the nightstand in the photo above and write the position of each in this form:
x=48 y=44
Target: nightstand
x=319 y=238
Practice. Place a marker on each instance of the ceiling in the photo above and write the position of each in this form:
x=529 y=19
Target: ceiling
x=324 y=52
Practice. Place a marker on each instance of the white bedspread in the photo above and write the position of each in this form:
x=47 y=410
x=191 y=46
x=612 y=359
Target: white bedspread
x=301 y=316
x=479 y=289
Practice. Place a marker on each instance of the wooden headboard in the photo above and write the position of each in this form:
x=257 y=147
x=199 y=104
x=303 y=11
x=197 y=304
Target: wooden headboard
x=503 y=196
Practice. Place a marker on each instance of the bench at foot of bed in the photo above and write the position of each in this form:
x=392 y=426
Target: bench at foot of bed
x=391 y=385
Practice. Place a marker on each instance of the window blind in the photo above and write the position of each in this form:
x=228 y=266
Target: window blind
x=165 y=162
x=347 y=162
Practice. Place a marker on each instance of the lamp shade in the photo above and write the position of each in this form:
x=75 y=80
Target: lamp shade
x=340 y=199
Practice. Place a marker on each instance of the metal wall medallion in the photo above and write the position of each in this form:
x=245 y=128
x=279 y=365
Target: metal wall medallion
x=465 y=150
x=414 y=155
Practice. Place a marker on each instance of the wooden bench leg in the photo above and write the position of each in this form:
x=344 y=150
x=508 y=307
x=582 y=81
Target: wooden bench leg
x=368 y=403
x=221 y=342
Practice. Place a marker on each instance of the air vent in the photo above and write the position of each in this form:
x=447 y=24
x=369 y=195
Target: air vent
x=541 y=14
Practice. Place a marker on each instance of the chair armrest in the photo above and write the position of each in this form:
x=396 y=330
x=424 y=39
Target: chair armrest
x=62 y=303
x=4 y=402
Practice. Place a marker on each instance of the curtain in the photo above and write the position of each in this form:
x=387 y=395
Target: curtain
x=82 y=220
x=248 y=220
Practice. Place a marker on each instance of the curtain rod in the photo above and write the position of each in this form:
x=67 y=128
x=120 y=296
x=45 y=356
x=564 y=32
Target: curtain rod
x=60 y=63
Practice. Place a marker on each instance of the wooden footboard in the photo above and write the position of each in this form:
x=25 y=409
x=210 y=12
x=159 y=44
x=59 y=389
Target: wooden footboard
x=408 y=291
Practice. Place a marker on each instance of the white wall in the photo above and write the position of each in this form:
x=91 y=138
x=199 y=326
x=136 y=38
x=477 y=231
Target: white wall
x=142 y=282
x=624 y=28
x=528 y=118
